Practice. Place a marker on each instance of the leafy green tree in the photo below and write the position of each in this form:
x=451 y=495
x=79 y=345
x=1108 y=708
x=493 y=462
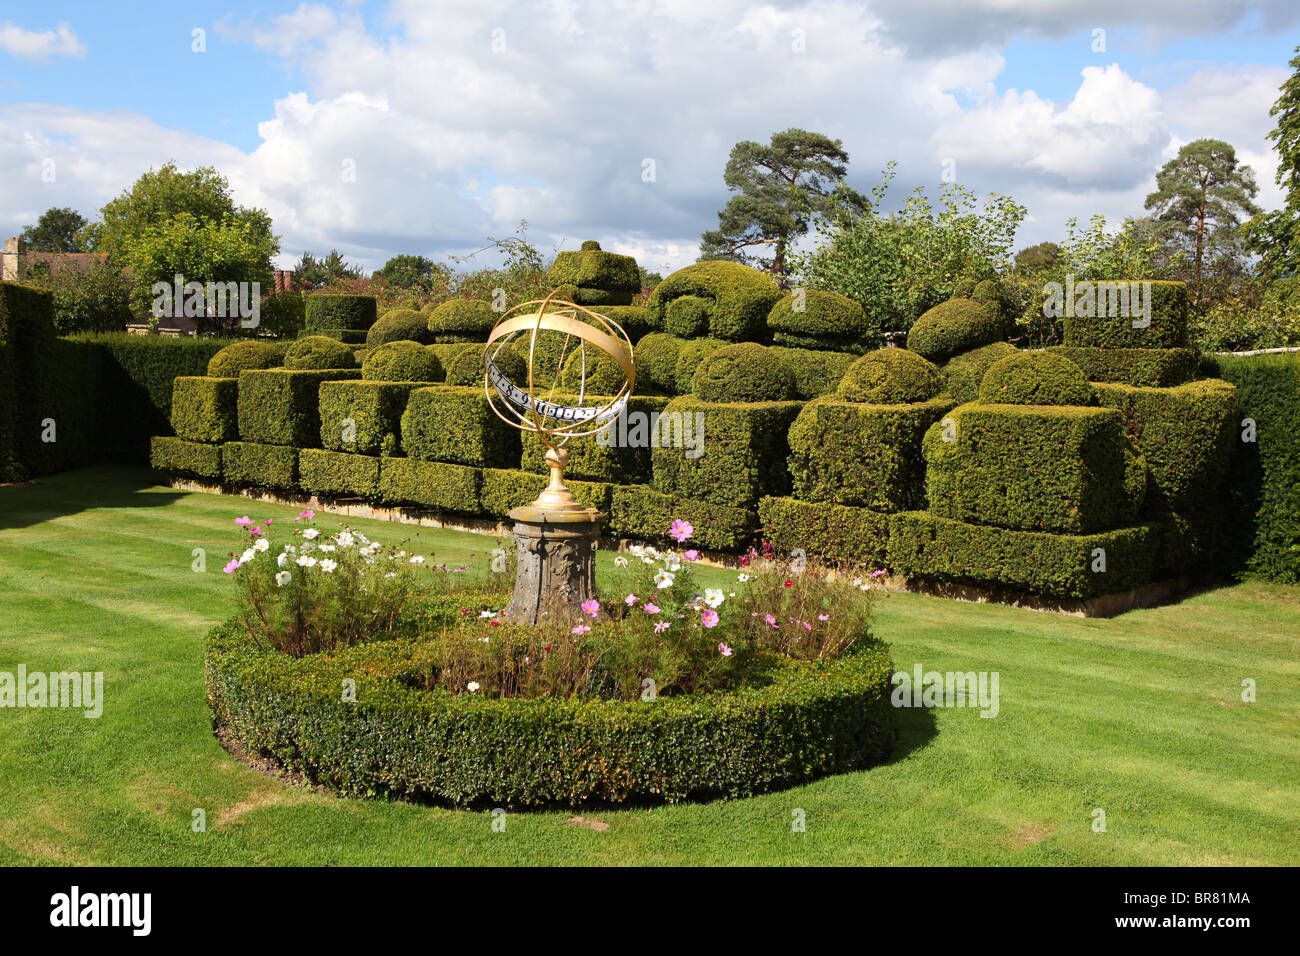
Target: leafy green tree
x=58 y=230
x=782 y=187
x=94 y=299
x=413 y=272
x=1037 y=258
x=319 y=272
x=1275 y=236
x=1201 y=196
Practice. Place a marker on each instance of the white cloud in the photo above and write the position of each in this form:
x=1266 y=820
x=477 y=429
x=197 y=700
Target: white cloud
x=39 y=45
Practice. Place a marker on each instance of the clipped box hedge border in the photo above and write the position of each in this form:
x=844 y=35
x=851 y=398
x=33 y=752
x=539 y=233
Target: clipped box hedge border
x=395 y=741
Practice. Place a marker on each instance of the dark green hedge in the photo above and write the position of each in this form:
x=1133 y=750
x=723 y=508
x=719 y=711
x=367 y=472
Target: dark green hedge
x=242 y=356
x=620 y=455
x=430 y=484
x=868 y=455
x=399 y=325
x=811 y=720
x=737 y=300
x=636 y=511
x=402 y=361
x=353 y=337
x=318 y=353
x=603 y=376
x=927 y=546
x=838 y=532
x=962 y=374
x=1152 y=368
x=456 y=425
x=375 y=410
x=282 y=407
x=656 y=358
x=206 y=409
x=325 y=312
x=186 y=458
x=1168 y=328
x=507 y=488
x=741 y=458
x=336 y=474
x=815 y=373
x=1035 y=378
x=260 y=466
x=744 y=372
x=827 y=320
x=689 y=356
x=890 y=377
x=955 y=326
x=633 y=319
x=462 y=320
x=597 y=277
x=1034 y=468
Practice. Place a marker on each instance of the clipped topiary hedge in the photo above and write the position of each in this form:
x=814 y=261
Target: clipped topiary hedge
x=402 y=361
x=506 y=488
x=890 y=377
x=326 y=312
x=205 y=409
x=595 y=276
x=430 y=484
x=456 y=425
x=1116 y=329
x=689 y=357
x=815 y=373
x=1035 y=378
x=334 y=474
x=736 y=301
x=242 y=356
x=638 y=512
x=838 y=532
x=399 y=325
x=955 y=326
x=812 y=319
x=363 y=417
x=461 y=320
x=812 y=719
x=635 y=320
x=260 y=466
x=1152 y=368
x=186 y=458
x=656 y=357
x=602 y=375
x=319 y=352
x=620 y=454
x=282 y=407
x=745 y=372
x=962 y=374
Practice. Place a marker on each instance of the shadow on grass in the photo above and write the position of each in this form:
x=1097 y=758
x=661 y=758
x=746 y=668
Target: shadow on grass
x=71 y=492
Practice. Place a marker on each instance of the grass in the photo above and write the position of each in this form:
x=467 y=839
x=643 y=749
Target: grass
x=1140 y=716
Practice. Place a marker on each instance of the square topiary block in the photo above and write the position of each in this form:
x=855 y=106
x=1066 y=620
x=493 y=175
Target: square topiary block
x=456 y=425
x=620 y=454
x=636 y=511
x=280 y=406
x=1125 y=315
x=181 y=457
x=1152 y=368
x=866 y=455
x=337 y=473
x=430 y=484
x=730 y=454
x=262 y=466
x=924 y=545
x=836 y=532
x=325 y=312
x=363 y=417
x=1034 y=467
x=205 y=409
x=507 y=488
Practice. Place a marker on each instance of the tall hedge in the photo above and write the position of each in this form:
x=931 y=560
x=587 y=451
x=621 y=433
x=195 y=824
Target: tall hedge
x=1116 y=330
x=327 y=312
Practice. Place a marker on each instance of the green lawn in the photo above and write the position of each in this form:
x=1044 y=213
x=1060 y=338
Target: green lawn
x=1140 y=716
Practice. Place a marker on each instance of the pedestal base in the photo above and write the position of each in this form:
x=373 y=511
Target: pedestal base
x=555 y=553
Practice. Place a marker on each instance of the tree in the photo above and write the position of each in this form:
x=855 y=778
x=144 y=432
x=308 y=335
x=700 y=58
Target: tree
x=1032 y=259
x=1201 y=195
x=412 y=272
x=58 y=230
x=782 y=187
x=318 y=272
x=1276 y=235
x=93 y=299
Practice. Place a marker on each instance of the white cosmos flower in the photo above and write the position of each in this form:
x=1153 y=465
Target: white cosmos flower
x=307 y=546
x=418 y=559
x=472 y=687
x=742 y=577
x=713 y=596
x=487 y=613
x=636 y=550
x=310 y=534
x=663 y=580
x=306 y=562
x=282 y=560
x=620 y=561
x=283 y=578
x=327 y=565
x=345 y=539
x=328 y=547
x=261 y=545
x=247 y=556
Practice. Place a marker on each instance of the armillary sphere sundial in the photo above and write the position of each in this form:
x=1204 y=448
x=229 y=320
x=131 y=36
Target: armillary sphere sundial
x=555 y=536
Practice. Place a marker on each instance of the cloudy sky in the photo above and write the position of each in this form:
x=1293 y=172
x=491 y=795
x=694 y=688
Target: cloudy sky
x=383 y=128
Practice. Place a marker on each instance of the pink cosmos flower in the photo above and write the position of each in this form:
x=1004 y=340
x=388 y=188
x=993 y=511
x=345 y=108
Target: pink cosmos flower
x=255 y=532
x=650 y=607
x=692 y=555
x=661 y=626
x=308 y=513
x=681 y=530
x=724 y=650
x=823 y=617
x=876 y=574
x=772 y=621
x=630 y=600
x=590 y=608
x=232 y=567
x=244 y=521
x=709 y=617
x=581 y=629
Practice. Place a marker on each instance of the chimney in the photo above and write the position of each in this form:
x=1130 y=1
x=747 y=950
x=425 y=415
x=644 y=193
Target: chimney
x=14 y=264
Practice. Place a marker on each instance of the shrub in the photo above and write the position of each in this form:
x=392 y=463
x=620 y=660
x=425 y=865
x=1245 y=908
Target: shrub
x=636 y=511
x=689 y=357
x=1153 y=368
x=26 y=350
x=927 y=546
x=399 y=325
x=633 y=319
x=259 y=465
x=352 y=337
x=443 y=423
x=281 y=406
x=1168 y=328
x=446 y=352
x=600 y=278
x=241 y=356
x=603 y=375
x=739 y=299
x=180 y=457
x=688 y=316
x=854 y=454
x=1035 y=378
x=728 y=454
x=890 y=377
x=363 y=417
x=656 y=358
x=283 y=314
x=857 y=535
x=963 y=373
x=619 y=454
x=826 y=320
x=504 y=489
x=955 y=326
x=93 y=299
x=747 y=372
x=1065 y=469
x=430 y=484
x=325 y=312
x=462 y=320
x=401 y=361
x=316 y=352
x=815 y=373
x=206 y=409
x=336 y=474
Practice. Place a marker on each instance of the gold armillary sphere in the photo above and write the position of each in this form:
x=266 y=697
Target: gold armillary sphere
x=554 y=423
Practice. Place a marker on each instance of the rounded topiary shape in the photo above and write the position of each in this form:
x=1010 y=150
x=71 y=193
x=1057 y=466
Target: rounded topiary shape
x=745 y=372
x=963 y=373
x=465 y=366
x=327 y=312
x=688 y=317
x=633 y=319
x=402 y=362
x=810 y=317
x=691 y=354
x=890 y=377
x=656 y=357
x=462 y=320
x=1035 y=378
x=953 y=327
x=963 y=288
x=603 y=377
x=592 y=276
x=319 y=352
x=739 y=299
x=242 y=356
x=399 y=325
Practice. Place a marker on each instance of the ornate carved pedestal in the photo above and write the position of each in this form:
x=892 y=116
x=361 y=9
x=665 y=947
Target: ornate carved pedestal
x=555 y=550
